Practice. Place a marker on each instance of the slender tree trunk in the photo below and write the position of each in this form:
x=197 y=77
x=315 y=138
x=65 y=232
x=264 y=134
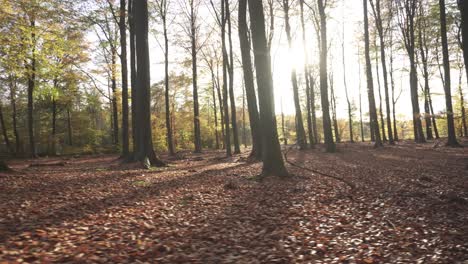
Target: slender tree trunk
x=170 y=141
x=221 y=107
x=361 y=124
x=227 y=129
x=14 y=114
x=327 y=127
x=124 y=68
x=300 y=132
x=452 y=139
x=374 y=123
x=249 y=81
x=283 y=127
x=31 y=86
x=144 y=148
x=196 y=107
x=69 y=125
x=424 y=54
x=307 y=78
x=115 y=114
x=273 y=163
x=345 y=83
x=463 y=6
x=333 y=109
x=462 y=104
x=244 y=130
x=132 y=67
x=379 y=89
x=4 y=132
x=54 y=124
x=312 y=106
x=213 y=94
x=235 y=130
x=383 y=60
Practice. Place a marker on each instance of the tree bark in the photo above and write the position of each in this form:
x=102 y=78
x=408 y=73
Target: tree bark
x=374 y=123
x=452 y=140
x=327 y=127
x=31 y=69
x=14 y=114
x=463 y=7
x=115 y=111
x=131 y=23
x=235 y=130
x=124 y=68
x=4 y=131
x=170 y=142
x=383 y=60
x=227 y=129
x=196 y=107
x=300 y=132
x=312 y=140
x=144 y=148
x=249 y=82
x=345 y=83
x=333 y=108
x=273 y=163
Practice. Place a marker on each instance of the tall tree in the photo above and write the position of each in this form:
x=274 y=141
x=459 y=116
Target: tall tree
x=162 y=9
x=144 y=148
x=345 y=83
x=235 y=130
x=273 y=163
x=374 y=123
x=124 y=69
x=327 y=127
x=406 y=19
x=381 y=29
x=452 y=140
x=424 y=51
x=300 y=132
x=249 y=81
x=308 y=81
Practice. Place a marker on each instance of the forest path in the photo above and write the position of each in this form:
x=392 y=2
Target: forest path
x=410 y=205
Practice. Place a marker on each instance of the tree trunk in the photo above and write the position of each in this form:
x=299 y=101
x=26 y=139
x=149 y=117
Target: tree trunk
x=333 y=109
x=227 y=129
x=361 y=124
x=170 y=141
x=424 y=54
x=123 y=61
x=392 y=82
x=244 y=130
x=283 y=127
x=31 y=69
x=235 y=130
x=310 y=130
x=452 y=140
x=4 y=131
x=131 y=23
x=383 y=60
x=300 y=132
x=312 y=106
x=144 y=148
x=14 y=114
x=249 y=82
x=115 y=111
x=273 y=163
x=462 y=104
x=213 y=93
x=374 y=123
x=196 y=107
x=54 y=126
x=327 y=127
x=221 y=107
x=345 y=83
x=379 y=89
x=69 y=125
x=463 y=6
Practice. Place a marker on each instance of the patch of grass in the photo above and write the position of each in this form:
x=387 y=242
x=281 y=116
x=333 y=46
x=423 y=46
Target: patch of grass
x=141 y=183
x=101 y=169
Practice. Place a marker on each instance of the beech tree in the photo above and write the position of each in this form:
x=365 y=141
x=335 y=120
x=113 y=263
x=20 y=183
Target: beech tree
x=249 y=81
x=374 y=123
x=273 y=163
x=144 y=151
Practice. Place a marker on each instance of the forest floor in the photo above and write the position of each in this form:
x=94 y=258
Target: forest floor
x=401 y=204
